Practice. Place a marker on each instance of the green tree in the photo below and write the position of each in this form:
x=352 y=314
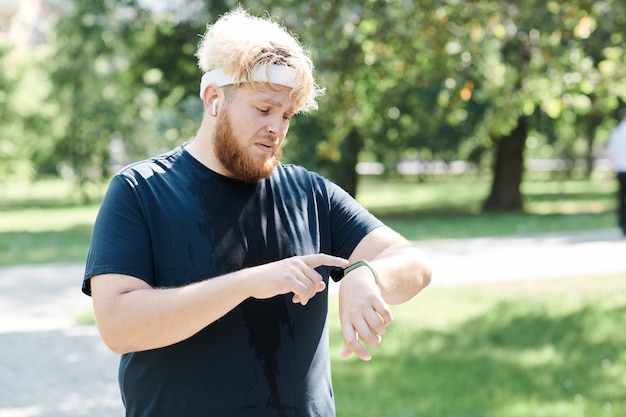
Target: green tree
x=535 y=69
x=9 y=147
x=440 y=79
x=126 y=75
x=95 y=96
x=24 y=118
x=364 y=53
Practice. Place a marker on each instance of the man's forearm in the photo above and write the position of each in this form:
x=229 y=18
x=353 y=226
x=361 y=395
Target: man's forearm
x=133 y=316
x=144 y=318
x=403 y=272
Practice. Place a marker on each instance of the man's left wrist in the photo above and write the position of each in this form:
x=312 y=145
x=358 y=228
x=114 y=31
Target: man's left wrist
x=359 y=264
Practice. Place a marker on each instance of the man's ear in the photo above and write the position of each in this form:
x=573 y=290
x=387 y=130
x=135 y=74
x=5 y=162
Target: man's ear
x=209 y=95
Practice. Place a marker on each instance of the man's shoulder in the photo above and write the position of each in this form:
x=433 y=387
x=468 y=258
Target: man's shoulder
x=296 y=170
x=148 y=167
x=297 y=180
x=288 y=167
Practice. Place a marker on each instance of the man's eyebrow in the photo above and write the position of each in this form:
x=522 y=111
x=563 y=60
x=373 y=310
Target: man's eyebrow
x=275 y=103
x=271 y=101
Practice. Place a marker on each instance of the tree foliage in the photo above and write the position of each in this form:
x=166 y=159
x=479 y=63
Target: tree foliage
x=428 y=79
x=23 y=116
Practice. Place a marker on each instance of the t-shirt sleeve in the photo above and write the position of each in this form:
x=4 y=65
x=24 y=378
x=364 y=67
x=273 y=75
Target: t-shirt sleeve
x=350 y=222
x=120 y=240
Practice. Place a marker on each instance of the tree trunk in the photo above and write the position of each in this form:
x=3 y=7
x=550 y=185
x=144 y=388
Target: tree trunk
x=508 y=169
x=591 y=155
x=344 y=172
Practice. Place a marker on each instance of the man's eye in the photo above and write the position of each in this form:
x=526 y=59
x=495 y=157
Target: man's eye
x=263 y=110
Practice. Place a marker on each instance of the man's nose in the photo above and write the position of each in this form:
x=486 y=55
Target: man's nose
x=276 y=126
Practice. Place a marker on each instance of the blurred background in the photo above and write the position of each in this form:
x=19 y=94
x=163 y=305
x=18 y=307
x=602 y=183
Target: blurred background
x=446 y=118
x=414 y=88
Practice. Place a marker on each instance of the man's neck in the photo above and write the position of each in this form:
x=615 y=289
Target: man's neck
x=201 y=148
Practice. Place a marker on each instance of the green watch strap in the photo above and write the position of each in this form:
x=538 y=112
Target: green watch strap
x=358 y=264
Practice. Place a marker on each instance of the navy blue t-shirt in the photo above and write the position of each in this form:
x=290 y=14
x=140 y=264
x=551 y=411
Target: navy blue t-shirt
x=171 y=221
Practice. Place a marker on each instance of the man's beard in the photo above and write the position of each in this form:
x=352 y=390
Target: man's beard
x=237 y=158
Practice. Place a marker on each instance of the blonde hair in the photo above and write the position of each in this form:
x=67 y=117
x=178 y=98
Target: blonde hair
x=238 y=44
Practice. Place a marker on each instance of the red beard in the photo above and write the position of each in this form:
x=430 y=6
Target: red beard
x=237 y=158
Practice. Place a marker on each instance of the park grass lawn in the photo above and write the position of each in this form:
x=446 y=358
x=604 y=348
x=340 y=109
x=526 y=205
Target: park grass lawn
x=45 y=222
x=450 y=207
x=551 y=348
x=45 y=234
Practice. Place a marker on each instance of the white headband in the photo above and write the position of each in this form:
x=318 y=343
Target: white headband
x=275 y=74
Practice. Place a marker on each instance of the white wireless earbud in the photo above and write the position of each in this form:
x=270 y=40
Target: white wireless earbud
x=214 y=109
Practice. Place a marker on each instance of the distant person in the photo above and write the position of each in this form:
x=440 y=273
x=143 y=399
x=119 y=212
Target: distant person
x=209 y=265
x=617 y=156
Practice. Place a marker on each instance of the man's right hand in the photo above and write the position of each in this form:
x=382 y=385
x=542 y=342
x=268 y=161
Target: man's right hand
x=296 y=275
x=132 y=316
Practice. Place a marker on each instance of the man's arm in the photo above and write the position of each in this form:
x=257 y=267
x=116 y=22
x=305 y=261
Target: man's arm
x=132 y=316
x=403 y=271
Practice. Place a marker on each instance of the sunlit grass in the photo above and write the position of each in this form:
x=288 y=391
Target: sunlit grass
x=553 y=348
x=549 y=348
x=394 y=196
x=449 y=225
x=466 y=193
x=45 y=221
x=451 y=207
x=50 y=219
x=45 y=193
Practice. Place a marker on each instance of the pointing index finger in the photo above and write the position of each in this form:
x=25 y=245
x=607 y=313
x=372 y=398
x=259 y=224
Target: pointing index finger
x=322 y=259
